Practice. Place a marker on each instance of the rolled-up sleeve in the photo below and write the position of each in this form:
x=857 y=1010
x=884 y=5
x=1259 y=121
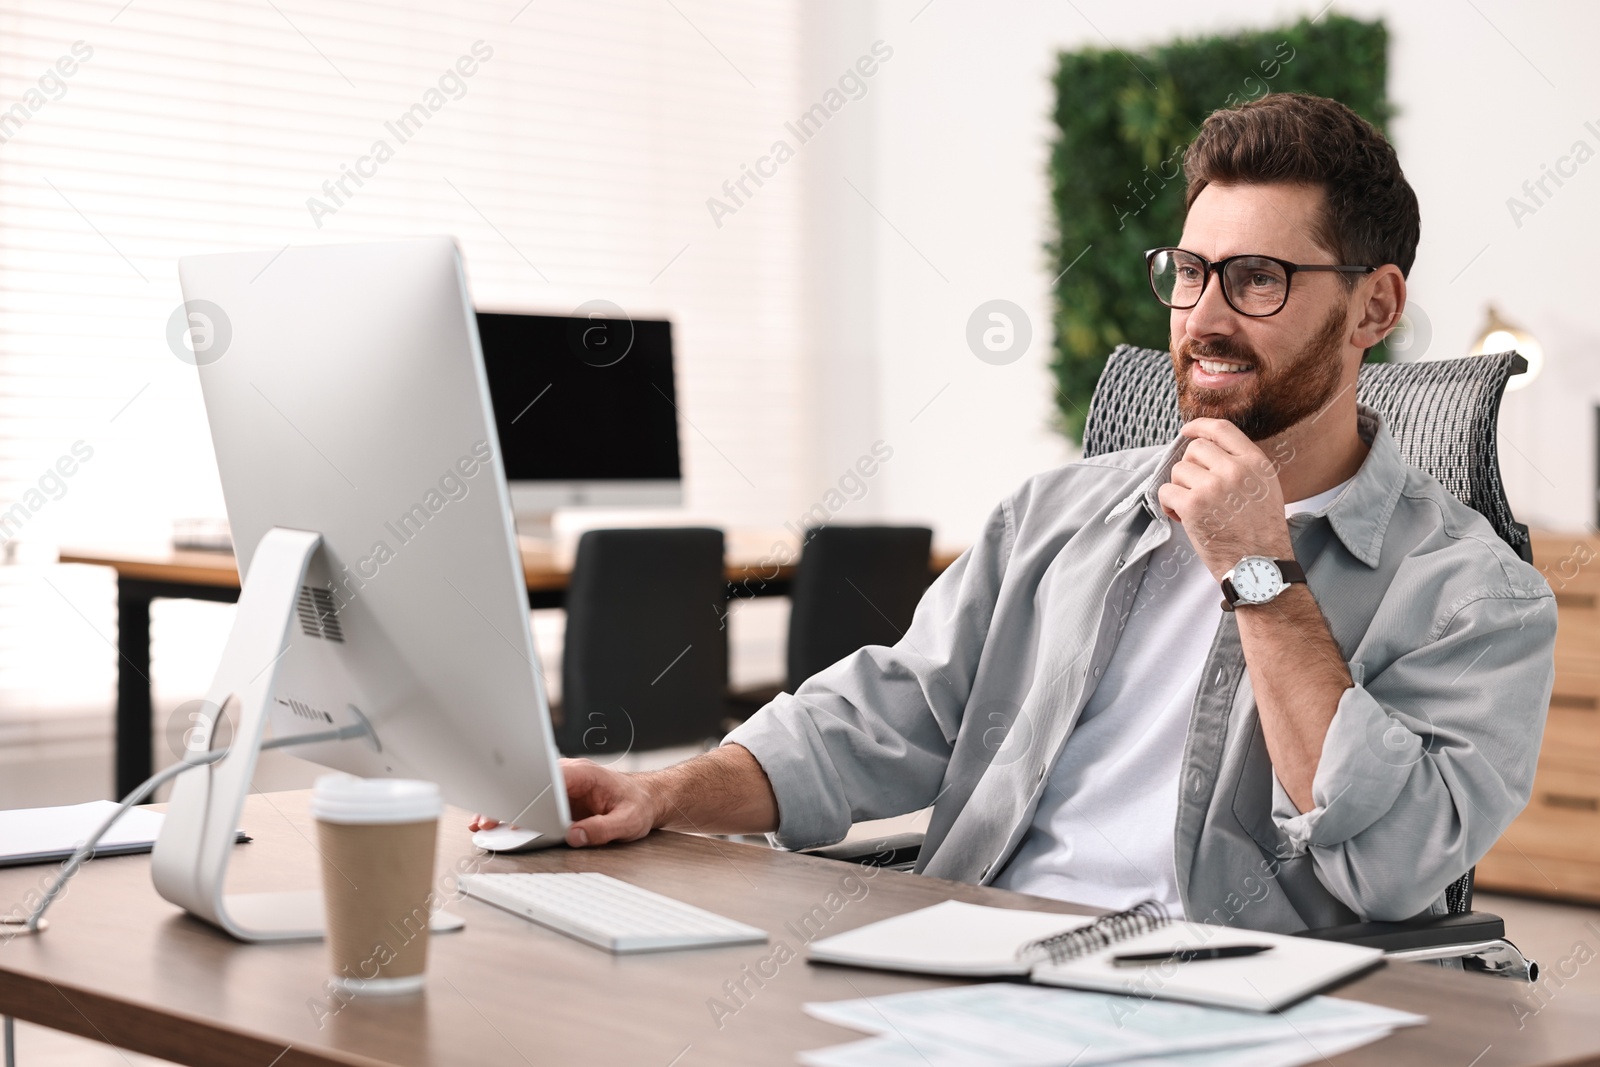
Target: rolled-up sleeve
x=871 y=736
x=1427 y=762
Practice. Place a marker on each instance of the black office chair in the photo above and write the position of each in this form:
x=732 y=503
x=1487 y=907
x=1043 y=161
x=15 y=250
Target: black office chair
x=854 y=586
x=1443 y=415
x=646 y=656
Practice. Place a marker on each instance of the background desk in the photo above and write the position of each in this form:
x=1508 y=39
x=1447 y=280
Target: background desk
x=122 y=966
x=214 y=576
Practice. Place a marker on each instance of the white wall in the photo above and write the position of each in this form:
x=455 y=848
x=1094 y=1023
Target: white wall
x=841 y=249
x=963 y=133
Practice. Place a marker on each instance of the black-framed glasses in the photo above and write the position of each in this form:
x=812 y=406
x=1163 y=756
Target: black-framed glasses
x=1252 y=285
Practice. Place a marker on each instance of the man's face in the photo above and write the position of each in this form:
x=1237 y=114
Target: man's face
x=1262 y=374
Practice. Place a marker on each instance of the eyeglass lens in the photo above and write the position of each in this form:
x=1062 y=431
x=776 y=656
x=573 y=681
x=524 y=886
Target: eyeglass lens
x=1252 y=284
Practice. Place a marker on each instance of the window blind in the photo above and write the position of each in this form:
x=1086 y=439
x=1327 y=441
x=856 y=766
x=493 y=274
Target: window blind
x=569 y=146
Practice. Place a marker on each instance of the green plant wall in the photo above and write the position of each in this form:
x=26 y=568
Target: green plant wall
x=1124 y=120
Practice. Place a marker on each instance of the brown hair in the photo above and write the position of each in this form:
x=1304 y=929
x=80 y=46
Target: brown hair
x=1370 y=215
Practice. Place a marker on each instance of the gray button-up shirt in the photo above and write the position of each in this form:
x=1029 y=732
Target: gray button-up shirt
x=1448 y=635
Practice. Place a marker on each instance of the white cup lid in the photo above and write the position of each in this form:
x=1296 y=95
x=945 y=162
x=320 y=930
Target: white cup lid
x=344 y=798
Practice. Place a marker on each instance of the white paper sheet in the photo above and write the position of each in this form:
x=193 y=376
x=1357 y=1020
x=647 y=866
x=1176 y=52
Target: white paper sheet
x=896 y=1051
x=1019 y=1024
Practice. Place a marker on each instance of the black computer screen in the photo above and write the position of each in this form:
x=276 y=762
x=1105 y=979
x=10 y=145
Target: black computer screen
x=582 y=399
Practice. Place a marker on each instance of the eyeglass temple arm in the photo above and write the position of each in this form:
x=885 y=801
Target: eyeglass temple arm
x=1329 y=266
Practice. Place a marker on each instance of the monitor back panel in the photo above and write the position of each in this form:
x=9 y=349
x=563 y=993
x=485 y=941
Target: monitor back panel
x=351 y=400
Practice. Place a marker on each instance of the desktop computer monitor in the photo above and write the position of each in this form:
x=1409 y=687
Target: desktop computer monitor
x=587 y=410
x=383 y=588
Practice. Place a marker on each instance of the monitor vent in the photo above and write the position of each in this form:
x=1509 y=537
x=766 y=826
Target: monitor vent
x=305 y=711
x=318 y=617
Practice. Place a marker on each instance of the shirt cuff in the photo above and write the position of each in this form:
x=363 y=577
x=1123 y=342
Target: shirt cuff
x=1367 y=757
x=812 y=810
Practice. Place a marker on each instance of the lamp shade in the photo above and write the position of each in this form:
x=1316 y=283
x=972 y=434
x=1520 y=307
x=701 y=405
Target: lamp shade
x=1498 y=335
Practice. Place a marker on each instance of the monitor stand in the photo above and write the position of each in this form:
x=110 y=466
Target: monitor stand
x=190 y=862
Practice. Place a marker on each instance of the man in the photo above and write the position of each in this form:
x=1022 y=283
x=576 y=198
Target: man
x=1341 y=741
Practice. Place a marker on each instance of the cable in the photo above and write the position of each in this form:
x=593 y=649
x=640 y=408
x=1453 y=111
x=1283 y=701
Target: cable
x=35 y=923
x=148 y=786
x=11 y=1042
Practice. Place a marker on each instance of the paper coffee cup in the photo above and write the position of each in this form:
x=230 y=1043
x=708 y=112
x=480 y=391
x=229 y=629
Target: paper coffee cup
x=377 y=838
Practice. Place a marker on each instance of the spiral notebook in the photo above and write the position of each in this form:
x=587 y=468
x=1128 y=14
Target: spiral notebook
x=970 y=940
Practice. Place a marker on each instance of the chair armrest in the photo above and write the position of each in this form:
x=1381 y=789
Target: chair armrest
x=1424 y=931
x=896 y=850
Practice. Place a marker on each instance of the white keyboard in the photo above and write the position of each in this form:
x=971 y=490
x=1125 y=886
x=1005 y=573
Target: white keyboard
x=607 y=913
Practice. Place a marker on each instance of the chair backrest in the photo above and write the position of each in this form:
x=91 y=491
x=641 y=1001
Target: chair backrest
x=1443 y=415
x=646 y=659
x=854 y=586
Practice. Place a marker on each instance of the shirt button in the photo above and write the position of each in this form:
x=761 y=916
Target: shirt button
x=1040 y=778
x=1097 y=671
x=985 y=873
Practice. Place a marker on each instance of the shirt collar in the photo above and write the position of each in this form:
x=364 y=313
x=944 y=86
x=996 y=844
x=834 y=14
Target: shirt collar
x=1359 y=515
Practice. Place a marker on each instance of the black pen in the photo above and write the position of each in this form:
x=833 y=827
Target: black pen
x=1188 y=955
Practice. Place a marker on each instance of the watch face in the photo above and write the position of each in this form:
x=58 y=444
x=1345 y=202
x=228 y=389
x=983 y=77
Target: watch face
x=1256 y=580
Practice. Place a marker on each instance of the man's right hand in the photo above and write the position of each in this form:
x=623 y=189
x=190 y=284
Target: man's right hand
x=724 y=791
x=607 y=805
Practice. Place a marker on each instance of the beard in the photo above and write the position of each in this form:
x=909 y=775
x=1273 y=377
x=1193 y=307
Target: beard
x=1275 y=398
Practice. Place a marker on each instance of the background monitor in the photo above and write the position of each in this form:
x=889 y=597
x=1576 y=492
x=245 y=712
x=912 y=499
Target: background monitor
x=587 y=411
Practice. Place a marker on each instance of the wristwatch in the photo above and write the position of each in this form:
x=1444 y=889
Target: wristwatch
x=1259 y=580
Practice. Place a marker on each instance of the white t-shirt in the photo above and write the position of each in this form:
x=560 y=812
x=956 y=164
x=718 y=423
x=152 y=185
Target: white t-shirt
x=1103 y=831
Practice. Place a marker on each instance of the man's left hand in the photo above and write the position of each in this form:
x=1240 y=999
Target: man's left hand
x=1225 y=492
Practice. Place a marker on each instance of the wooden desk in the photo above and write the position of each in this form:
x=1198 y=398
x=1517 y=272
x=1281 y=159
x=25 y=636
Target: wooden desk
x=752 y=570
x=121 y=965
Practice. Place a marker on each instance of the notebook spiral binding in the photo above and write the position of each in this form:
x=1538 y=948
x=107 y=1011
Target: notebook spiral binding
x=1102 y=933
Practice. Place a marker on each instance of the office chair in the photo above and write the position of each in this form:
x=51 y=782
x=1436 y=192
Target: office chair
x=1443 y=415
x=854 y=586
x=646 y=657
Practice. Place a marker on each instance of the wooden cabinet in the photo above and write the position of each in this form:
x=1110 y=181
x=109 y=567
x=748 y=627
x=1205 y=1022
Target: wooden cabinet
x=1553 y=848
